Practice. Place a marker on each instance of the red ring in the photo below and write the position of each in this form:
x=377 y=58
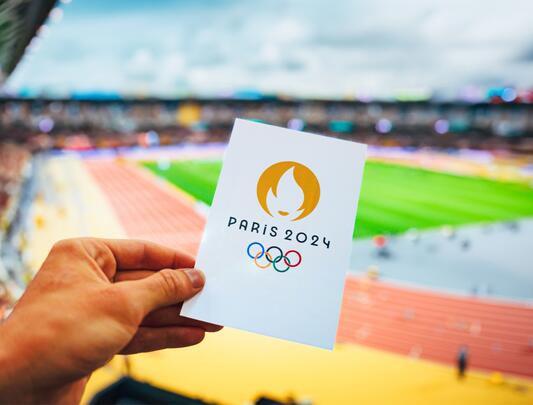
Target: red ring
x=286 y=261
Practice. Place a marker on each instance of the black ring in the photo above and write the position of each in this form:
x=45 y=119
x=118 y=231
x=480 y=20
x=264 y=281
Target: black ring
x=274 y=247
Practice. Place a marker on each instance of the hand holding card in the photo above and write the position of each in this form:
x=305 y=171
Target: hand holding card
x=278 y=238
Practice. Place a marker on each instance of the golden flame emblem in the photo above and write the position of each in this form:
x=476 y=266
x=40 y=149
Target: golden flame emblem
x=288 y=189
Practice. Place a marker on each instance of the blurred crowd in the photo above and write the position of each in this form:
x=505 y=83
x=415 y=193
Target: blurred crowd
x=79 y=124
x=13 y=161
x=14 y=166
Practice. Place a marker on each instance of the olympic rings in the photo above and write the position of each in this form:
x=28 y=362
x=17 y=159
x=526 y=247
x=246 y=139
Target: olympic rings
x=279 y=250
x=255 y=243
x=273 y=261
x=268 y=257
x=288 y=262
x=276 y=260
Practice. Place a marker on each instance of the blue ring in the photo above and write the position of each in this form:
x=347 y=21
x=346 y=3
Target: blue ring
x=262 y=250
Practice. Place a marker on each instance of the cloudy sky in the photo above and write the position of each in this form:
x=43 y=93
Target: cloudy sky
x=325 y=48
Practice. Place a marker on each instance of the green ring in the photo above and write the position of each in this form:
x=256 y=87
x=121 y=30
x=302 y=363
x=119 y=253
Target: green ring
x=278 y=259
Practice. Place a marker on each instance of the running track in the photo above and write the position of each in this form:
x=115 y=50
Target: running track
x=146 y=209
x=433 y=326
x=411 y=322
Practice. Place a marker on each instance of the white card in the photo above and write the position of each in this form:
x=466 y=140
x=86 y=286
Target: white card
x=278 y=238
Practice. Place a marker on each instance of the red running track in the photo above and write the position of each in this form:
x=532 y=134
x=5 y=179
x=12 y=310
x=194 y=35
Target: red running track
x=412 y=322
x=434 y=326
x=148 y=210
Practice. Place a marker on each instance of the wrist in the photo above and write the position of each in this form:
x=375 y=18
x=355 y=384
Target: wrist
x=19 y=380
x=8 y=380
x=14 y=376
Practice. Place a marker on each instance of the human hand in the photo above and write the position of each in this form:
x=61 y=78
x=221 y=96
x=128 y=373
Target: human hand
x=92 y=299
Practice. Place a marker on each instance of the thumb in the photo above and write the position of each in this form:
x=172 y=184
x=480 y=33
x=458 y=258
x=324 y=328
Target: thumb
x=163 y=288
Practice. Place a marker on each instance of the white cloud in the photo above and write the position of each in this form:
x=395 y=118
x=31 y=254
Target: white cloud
x=142 y=63
x=280 y=46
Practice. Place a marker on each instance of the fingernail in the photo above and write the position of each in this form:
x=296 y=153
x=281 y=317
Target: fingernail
x=196 y=276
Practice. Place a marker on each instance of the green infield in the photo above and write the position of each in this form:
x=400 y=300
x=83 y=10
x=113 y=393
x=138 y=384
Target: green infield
x=393 y=198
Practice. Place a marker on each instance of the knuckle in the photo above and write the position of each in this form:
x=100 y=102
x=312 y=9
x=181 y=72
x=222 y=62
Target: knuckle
x=66 y=248
x=105 y=260
x=64 y=245
x=70 y=245
x=172 y=283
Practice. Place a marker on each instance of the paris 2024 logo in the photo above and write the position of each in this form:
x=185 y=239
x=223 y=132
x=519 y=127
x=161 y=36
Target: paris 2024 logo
x=288 y=190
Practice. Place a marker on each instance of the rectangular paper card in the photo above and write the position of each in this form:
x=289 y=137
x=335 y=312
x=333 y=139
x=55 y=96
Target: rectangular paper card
x=278 y=238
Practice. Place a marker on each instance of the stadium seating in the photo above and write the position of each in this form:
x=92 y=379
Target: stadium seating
x=80 y=124
x=12 y=161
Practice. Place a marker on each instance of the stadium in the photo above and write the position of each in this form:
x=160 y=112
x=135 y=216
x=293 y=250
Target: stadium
x=441 y=263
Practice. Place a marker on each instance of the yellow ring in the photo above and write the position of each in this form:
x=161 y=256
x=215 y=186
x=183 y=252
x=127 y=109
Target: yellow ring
x=268 y=263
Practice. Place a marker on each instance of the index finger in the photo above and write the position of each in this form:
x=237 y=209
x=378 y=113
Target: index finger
x=133 y=254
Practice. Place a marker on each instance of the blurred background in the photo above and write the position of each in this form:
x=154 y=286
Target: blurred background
x=114 y=117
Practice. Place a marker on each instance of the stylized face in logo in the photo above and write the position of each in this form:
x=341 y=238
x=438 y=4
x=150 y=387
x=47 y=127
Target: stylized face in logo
x=288 y=189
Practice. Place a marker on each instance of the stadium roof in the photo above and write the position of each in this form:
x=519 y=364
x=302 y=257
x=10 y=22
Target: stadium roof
x=19 y=22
